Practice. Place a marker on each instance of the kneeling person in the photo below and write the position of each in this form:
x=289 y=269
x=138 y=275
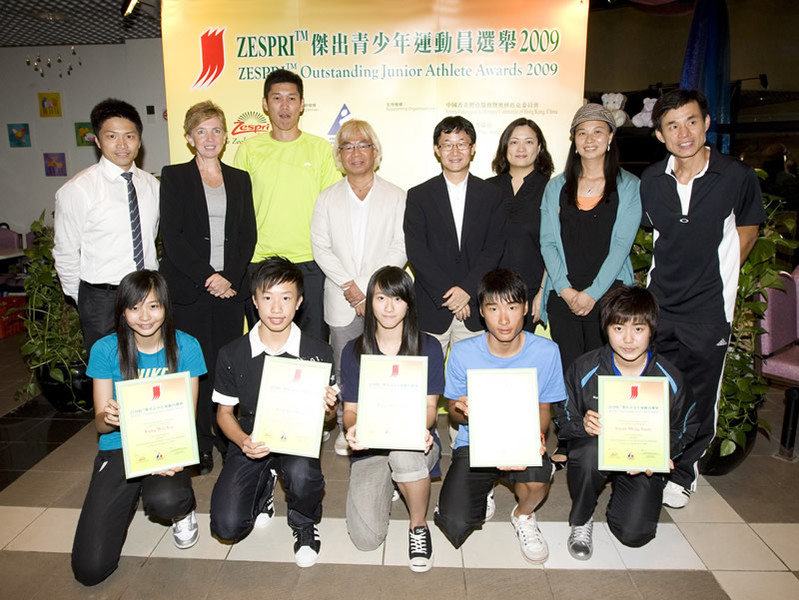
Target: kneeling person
x=502 y=297
x=629 y=319
x=242 y=496
x=391 y=328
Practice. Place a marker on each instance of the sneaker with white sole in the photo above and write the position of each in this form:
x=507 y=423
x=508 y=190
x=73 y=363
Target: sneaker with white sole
x=420 y=549
x=534 y=546
x=675 y=495
x=185 y=531
x=306 y=545
x=341 y=447
x=268 y=512
x=581 y=543
x=491 y=506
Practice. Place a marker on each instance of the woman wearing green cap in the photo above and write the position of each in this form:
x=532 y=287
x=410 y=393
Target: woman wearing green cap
x=590 y=214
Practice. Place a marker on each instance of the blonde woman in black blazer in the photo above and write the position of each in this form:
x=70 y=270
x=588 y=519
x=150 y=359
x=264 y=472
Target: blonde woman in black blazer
x=208 y=230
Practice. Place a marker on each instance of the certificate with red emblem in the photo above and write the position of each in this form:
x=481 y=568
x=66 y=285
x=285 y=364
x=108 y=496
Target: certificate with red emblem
x=634 y=420
x=392 y=402
x=156 y=423
x=291 y=412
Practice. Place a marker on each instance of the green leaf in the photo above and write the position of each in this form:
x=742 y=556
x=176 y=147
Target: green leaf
x=727 y=447
x=57 y=374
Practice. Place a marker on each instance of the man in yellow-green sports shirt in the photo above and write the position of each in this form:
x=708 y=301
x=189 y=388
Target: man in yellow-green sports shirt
x=288 y=168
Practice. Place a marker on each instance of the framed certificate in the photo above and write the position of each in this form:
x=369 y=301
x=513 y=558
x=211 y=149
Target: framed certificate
x=504 y=423
x=634 y=415
x=156 y=423
x=392 y=402
x=291 y=413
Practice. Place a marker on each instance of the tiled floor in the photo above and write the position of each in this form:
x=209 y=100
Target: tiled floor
x=738 y=538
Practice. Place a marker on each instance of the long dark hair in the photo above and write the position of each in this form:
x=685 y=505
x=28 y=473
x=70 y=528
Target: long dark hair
x=543 y=162
x=133 y=289
x=574 y=169
x=393 y=282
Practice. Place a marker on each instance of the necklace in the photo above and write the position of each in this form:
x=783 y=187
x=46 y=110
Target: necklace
x=598 y=185
x=362 y=189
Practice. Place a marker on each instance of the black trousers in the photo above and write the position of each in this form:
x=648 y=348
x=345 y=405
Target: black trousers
x=311 y=315
x=634 y=507
x=96 y=312
x=574 y=337
x=698 y=350
x=109 y=507
x=214 y=322
x=244 y=486
x=462 y=501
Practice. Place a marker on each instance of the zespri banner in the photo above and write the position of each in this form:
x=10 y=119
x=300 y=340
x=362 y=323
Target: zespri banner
x=402 y=66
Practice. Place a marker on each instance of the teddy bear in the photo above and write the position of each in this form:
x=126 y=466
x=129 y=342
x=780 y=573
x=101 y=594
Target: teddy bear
x=615 y=103
x=644 y=118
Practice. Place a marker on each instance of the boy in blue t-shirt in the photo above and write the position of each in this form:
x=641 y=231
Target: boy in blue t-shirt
x=502 y=296
x=629 y=318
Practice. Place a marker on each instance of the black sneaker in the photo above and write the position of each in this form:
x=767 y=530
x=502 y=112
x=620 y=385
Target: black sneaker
x=206 y=463
x=268 y=513
x=306 y=546
x=420 y=549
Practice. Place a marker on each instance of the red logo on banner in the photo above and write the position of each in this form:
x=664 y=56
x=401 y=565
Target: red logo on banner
x=213 y=55
x=633 y=392
x=394 y=370
x=250 y=122
x=297 y=374
x=156 y=393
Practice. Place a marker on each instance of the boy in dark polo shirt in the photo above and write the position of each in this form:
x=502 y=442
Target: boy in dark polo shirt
x=242 y=496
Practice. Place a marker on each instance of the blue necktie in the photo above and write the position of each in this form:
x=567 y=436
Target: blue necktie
x=135 y=222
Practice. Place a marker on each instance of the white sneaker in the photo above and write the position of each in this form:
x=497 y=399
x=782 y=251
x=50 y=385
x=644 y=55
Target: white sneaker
x=675 y=495
x=341 y=447
x=581 y=543
x=185 y=531
x=491 y=506
x=534 y=546
x=306 y=546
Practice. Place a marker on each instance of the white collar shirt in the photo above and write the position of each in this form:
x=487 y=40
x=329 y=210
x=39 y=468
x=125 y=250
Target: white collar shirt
x=93 y=239
x=457 y=203
x=684 y=189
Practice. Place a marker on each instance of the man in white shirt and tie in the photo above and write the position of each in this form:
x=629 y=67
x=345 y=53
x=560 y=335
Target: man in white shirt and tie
x=106 y=220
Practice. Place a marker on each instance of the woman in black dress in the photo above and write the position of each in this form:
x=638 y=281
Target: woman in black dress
x=523 y=167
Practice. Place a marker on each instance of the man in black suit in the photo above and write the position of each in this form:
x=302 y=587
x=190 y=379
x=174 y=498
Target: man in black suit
x=454 y=234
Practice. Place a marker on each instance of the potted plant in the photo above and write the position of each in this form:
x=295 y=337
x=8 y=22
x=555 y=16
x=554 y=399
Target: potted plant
x=53 y=346
x=743 y=389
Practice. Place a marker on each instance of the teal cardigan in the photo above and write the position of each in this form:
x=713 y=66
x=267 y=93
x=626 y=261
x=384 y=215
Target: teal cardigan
x=617 y=264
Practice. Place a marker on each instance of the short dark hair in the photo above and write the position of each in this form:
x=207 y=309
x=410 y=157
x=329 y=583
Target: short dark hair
x=282 y=76
x=543 y=162
x=274 y=270
x=110 y=108
x=454 y=124
x=502 y=284
x=623 y=304
x=676 y=99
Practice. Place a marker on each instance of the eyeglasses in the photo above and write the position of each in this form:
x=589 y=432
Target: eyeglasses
x=448 y=147
x=351 y=147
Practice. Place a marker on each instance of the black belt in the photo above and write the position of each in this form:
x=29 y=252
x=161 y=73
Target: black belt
x=106 y=287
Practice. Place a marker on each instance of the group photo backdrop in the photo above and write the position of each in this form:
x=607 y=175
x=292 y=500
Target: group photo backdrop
x=402 y=66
